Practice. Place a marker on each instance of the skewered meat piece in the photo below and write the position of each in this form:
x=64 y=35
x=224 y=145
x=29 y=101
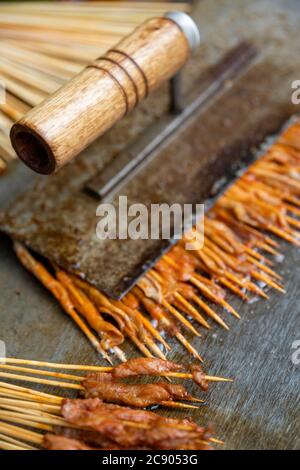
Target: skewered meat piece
x=92 y=438
x=133 y=428
x=154 y=366
x=94 y=408
x=104 y=386
x=199 y=377
x=145 y=366
x=53 y=442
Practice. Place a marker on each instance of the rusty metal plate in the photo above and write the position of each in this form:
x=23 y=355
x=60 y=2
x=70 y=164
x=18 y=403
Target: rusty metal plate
x=261 y=409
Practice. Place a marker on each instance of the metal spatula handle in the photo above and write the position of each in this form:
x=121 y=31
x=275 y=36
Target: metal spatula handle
x=58 y=129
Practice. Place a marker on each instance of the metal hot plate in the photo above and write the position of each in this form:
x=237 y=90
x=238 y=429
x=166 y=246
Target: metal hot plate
x=261 y=408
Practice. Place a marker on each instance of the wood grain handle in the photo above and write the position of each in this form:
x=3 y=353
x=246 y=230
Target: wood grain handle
x=58 y=129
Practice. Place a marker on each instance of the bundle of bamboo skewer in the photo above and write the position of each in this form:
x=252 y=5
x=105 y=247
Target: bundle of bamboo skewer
x=42 y=45
x=25 y=413
x=183 y=291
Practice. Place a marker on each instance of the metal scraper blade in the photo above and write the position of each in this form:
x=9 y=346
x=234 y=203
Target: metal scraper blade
x=57 y=218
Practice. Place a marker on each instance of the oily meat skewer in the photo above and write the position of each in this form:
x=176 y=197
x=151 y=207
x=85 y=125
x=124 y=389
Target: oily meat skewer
x=110 y=335
x=103 y=386
x=106 y=386
x=144 y=366
x=53 y=442
x=131 y=368
x=156 y=367
x=62 y=442
x=156 y=432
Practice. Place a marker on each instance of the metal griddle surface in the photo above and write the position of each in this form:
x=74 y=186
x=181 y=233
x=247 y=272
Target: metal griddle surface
x=261 y=410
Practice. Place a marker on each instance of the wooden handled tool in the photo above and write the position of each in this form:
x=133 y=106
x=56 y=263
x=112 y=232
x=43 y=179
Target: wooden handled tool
x=57 y=130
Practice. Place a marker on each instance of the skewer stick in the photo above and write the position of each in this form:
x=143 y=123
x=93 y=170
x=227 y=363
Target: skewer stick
x=54 y=383
x=174 y=404
x=33 y=394
x=75 y=387
x=4 y=445
x=178 y=375
x=24 y=434
x=40 y=372
x=182 y=375
x=17 y=418
x=53 y=365
x=192 y=311
x=194 y=279
x=24 y=411
x=210 y=312
x=55 y=409
x=188 y=346
x=180 y=317
x=8 y=393
x=16 y=442
x=24 y=418
x=152 y=330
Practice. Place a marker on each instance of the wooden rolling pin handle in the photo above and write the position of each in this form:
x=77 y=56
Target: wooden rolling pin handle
x=57 y=130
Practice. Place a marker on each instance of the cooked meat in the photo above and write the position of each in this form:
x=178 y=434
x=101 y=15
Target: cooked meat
x=105 y=387
x=159 y=314
x=163 y=437
x=199 y=377
x=134 y=429
x=92 y=438
x=53 y=442
x=95 y=408
x=151 y=288
x=145 y=366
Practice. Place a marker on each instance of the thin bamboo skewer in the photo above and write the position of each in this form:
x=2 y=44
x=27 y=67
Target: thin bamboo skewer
x=36 y=79
x=84 y=55
x=23 y=92
x=25 y=395
x=15 y=431
x=79 y=25
x=30 y=393
x=64 y=68
x=16 y=442
x=7 y=152
x=54 y=383
x=24 y=411
x=71 y=386
x=22 y=418
x=180 y=375
x=53 y=409
x=5 y=122
x=14 y=107
x=105 y=7
x=4 y=445
x=180 y=317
